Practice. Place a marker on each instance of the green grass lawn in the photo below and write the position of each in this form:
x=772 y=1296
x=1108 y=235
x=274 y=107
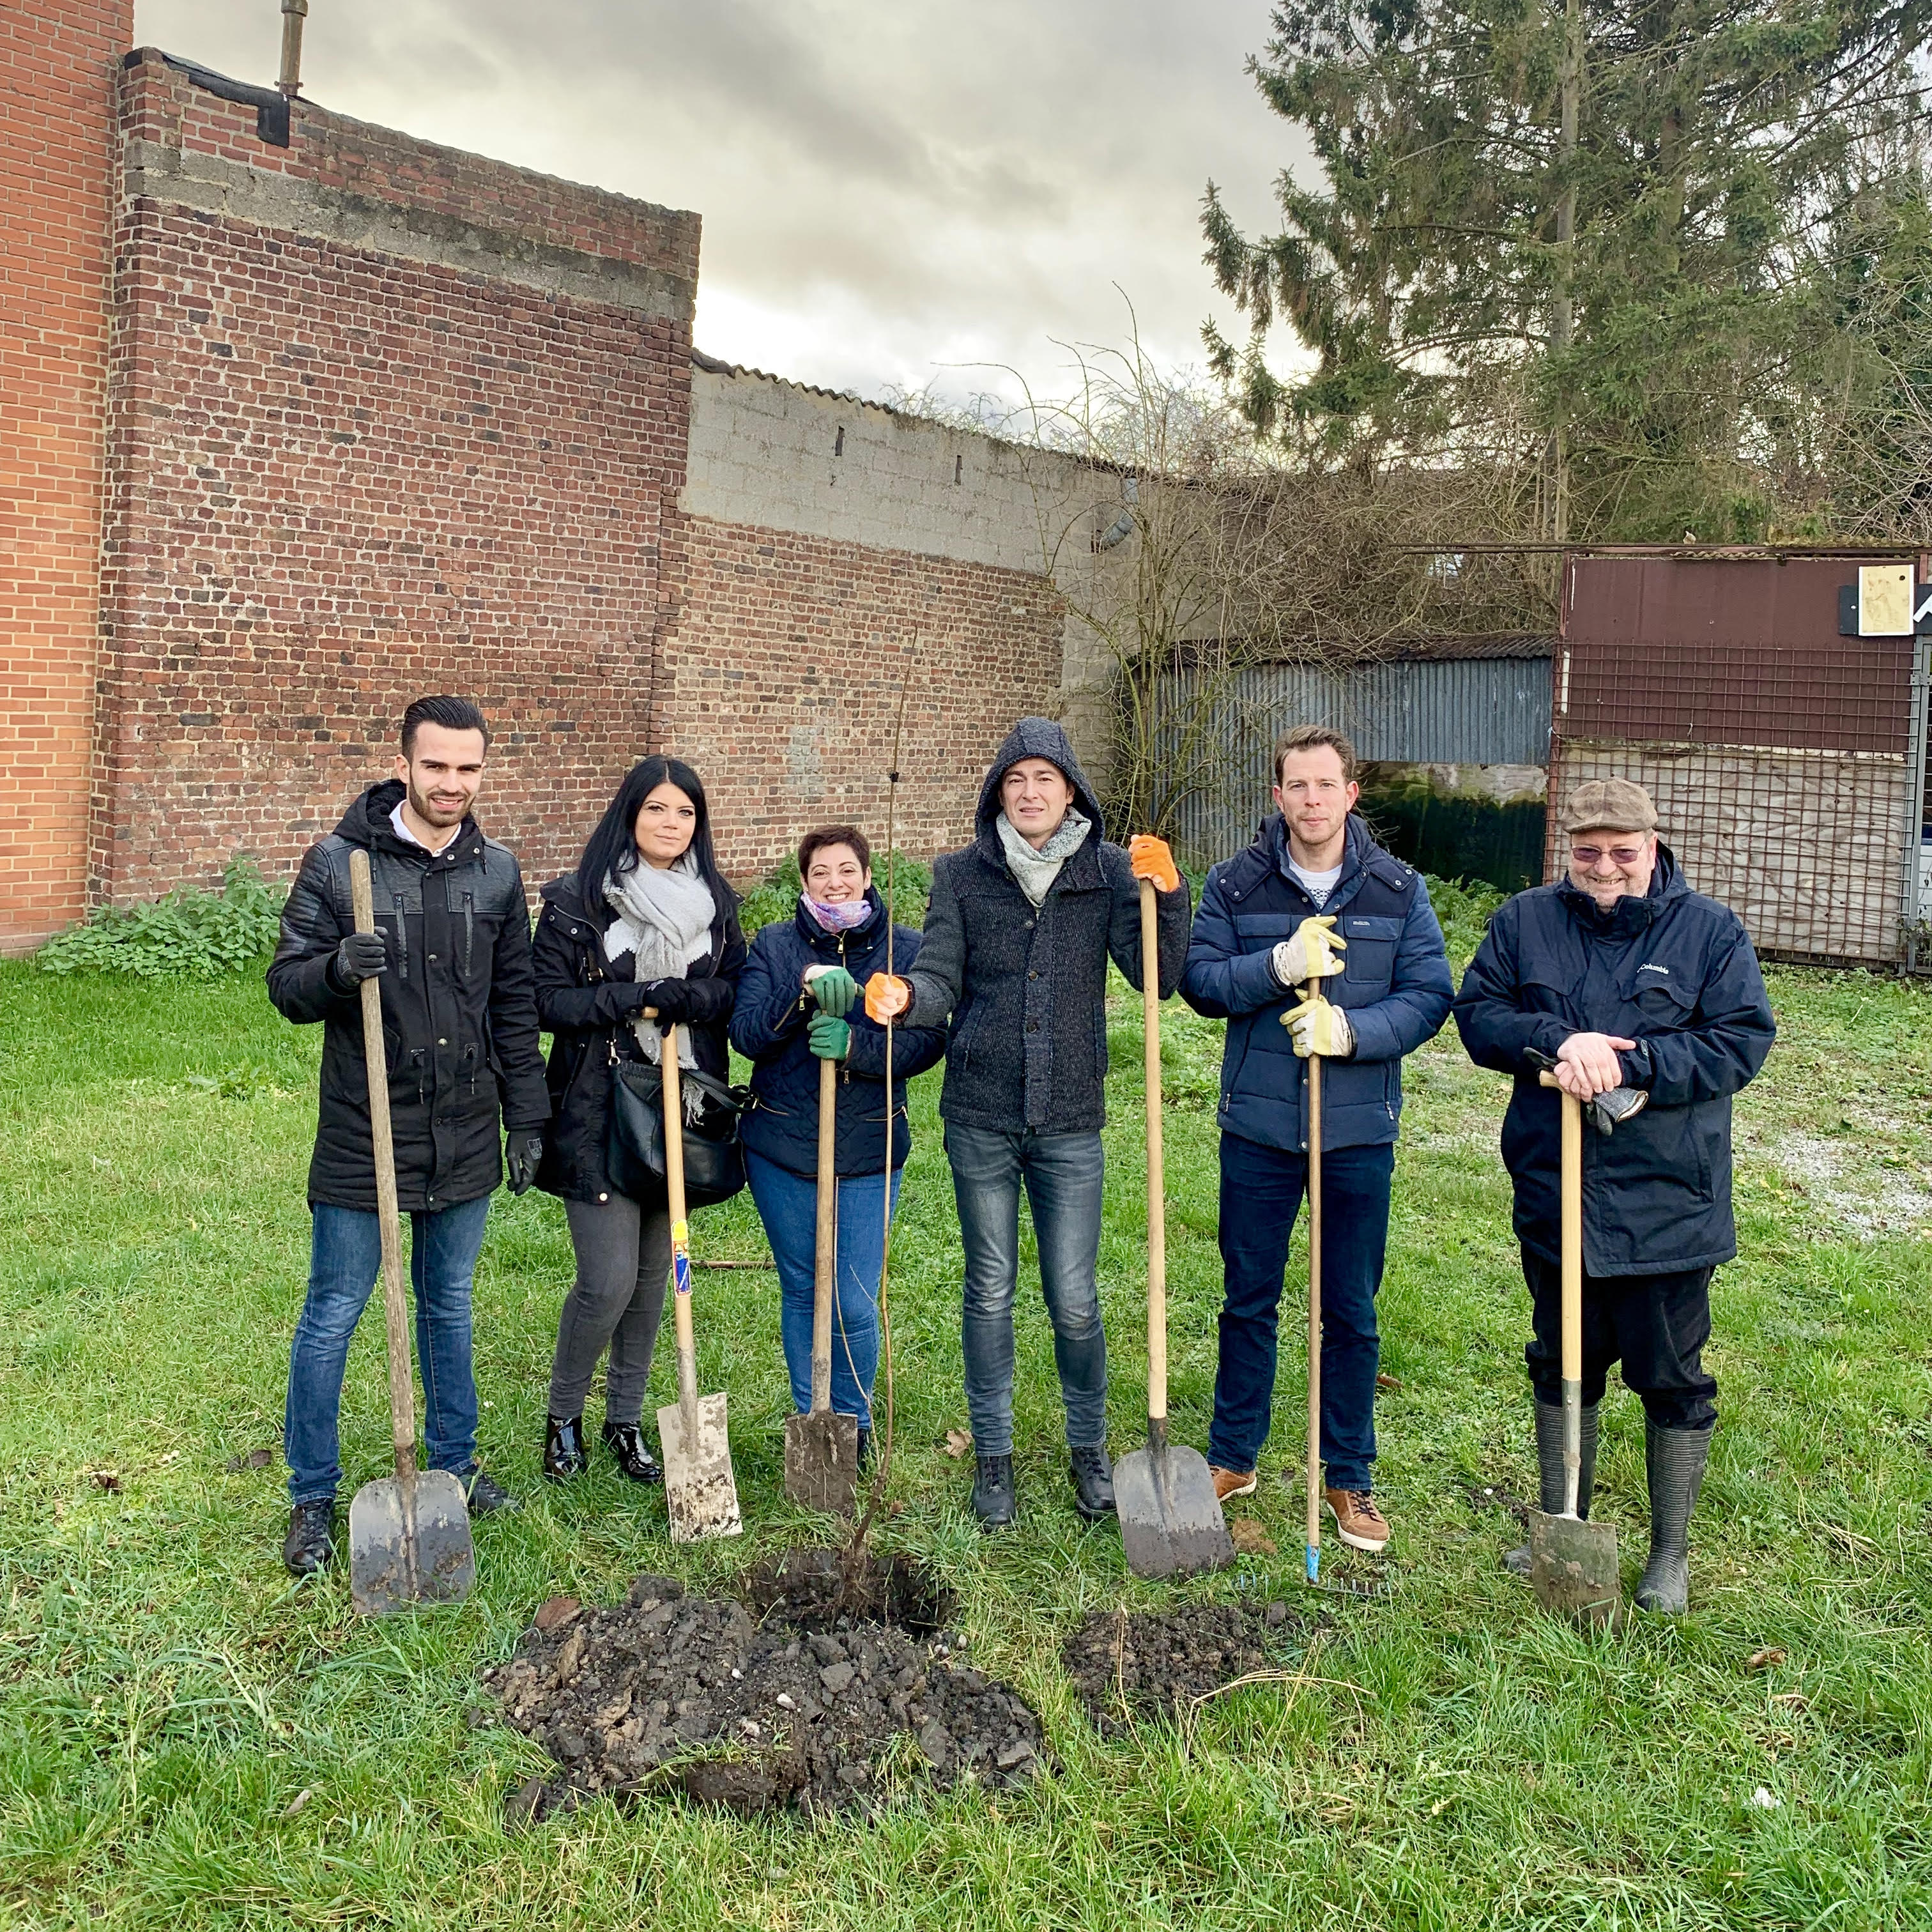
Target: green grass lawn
x=186 y=1738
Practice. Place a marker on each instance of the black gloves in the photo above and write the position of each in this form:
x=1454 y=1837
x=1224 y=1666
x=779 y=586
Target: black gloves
x=361 y=956
x=673 y=1000
x=524 y=1153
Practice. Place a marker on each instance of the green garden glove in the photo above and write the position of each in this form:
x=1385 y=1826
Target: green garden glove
x=834 y=989
x=830 y=1037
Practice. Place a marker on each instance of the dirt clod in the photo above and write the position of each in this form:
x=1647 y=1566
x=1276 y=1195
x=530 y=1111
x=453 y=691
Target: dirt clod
x=1129 y=1668
x=803 y=1703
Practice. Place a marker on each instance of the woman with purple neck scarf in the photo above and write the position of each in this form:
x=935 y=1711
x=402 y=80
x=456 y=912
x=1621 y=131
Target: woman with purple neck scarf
x=797 y=1006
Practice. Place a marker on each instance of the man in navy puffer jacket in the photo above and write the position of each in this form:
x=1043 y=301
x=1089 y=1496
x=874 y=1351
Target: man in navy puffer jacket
x=1313 y=886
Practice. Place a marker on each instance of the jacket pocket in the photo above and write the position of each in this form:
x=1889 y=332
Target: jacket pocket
x=1368 y=957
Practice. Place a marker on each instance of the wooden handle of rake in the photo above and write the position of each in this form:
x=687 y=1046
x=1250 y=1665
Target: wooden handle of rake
x=1314 y=1551
x=389 y=1220
x=1155 y=1164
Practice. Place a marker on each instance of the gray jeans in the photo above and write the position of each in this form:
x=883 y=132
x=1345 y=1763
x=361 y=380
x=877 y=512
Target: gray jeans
x=623 y=1260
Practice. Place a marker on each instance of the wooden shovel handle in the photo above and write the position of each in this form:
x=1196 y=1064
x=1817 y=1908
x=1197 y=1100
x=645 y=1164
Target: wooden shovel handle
x=825 y=1259
x=395 y=1308
x=1156 y=1165
x=680 y=1236
x=1312 y=1483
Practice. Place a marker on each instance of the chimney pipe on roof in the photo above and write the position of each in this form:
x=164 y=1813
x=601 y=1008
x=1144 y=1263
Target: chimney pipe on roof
x=294 y=12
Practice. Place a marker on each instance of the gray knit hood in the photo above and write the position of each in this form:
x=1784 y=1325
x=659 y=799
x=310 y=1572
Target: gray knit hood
x=1037 y=738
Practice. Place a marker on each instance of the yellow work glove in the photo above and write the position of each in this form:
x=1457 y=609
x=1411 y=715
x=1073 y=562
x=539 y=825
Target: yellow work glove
x=1150 y=858
x=1316 y=1027
x=1313 y=953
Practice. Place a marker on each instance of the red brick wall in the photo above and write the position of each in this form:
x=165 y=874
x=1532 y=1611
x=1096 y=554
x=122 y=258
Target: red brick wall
x=345 y=476
x=781 y=677
x=57 y=71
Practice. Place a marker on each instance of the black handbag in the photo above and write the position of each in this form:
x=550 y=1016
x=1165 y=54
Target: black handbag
x=633 y=1148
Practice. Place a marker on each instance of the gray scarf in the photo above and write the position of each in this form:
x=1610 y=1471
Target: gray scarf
x=1035 y=871
x=663 y=918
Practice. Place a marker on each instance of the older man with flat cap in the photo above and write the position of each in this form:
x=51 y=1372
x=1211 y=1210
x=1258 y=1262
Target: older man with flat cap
x=1644 y=999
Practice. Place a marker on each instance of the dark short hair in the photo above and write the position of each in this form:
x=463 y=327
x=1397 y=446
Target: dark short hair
x=1310 y=737
x=835 y=835
x=453 y=714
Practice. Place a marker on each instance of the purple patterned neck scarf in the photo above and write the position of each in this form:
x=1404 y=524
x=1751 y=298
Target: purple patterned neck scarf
x=845 y=917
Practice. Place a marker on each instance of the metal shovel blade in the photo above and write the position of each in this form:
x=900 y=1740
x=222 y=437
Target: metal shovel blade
x=1170 y=1521
x=1573 y=1567
x=409 y=1543
x=822 y=1460
x=700 y=1492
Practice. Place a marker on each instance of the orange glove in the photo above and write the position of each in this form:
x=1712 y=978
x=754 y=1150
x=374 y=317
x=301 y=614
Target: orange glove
x=1151 y=859
x=886 y=997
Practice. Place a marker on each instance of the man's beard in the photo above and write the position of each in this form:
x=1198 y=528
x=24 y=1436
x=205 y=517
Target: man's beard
x=431 y=814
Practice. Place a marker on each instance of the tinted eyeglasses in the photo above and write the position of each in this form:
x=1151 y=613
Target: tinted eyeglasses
x=1591 y=856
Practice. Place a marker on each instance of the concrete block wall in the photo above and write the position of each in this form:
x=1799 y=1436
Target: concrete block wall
x=58 y=66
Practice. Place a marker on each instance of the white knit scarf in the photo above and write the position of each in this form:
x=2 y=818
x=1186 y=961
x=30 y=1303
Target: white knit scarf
x=1035 y=871
x=664 y=919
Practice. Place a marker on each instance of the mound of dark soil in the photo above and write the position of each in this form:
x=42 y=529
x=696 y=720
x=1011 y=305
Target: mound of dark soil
x=1152 y=1664
x=670 y=1692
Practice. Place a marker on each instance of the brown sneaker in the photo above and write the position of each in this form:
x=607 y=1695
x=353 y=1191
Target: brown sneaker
x=1231 y=1483
x=1357 y=1522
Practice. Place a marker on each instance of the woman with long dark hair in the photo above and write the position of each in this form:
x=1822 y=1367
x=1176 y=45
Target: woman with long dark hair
x=646 y=920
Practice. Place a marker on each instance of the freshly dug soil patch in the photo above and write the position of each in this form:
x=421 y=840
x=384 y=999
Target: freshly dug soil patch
x=1155 y=1664
x=670 y=1692
x=814 y=1588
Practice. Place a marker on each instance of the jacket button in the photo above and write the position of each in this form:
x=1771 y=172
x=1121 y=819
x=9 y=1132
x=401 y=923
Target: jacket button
x=1032 y=1026
x=432 y=958
x=603 y=1197
x=1032 y=976
x=442 y=1042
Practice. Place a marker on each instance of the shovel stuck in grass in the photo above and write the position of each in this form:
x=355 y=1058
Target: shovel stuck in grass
x=1573 y=1563
x=700 y=1493
x=1171 y=1522
x=821 y=1447
x=409 y=1534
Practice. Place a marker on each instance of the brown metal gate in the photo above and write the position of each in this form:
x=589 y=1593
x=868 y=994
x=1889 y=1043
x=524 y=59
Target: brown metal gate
x=1787 y=761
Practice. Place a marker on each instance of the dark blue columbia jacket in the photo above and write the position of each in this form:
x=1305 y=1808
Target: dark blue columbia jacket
x=1397 y=989
x=768 y=1026
x=1675 y=972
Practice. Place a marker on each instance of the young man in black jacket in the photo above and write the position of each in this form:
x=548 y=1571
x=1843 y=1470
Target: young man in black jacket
x=1018 y=931
x=452 y=954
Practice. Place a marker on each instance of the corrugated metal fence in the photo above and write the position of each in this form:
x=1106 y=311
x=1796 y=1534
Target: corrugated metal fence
x=1485 y=711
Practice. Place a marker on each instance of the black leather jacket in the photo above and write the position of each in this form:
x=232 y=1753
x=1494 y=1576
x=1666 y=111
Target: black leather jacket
x=459 y=1009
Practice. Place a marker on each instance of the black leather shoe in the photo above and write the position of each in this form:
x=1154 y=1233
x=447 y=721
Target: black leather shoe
x=995 y=1501
x=865 y=1449
x=311 y=1542
x=563 y=1448
x=626 y=1442
x=487 y=1495
x=1093 y=1482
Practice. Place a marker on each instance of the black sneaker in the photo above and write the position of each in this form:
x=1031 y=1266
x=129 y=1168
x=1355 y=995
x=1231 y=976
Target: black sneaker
x=995 y=1502
x=487 y=1495
x=311 y=1542
x=563 y=1448
x=1093 y=1482
x=626 y=1442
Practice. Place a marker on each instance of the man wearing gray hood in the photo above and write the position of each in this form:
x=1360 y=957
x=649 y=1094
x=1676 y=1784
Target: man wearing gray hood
x=1020 y=928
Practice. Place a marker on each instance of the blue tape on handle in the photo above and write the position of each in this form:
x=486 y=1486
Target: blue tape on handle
x=1314 y=1562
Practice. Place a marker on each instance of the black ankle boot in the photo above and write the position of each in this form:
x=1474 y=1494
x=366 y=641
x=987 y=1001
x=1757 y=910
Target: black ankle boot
x=563 y=1448
x=1093 y=1481
x=311 y=1537
x=1673 y=1460
x=626 y=1442
x=865 y=1450
x=1549 y=1470
x=994 y=1501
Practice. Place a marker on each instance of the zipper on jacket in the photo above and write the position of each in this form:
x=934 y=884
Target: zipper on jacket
x=469 y=929
x=402 y=940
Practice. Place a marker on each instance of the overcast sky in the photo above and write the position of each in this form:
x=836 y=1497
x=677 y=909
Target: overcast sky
x=891 y=191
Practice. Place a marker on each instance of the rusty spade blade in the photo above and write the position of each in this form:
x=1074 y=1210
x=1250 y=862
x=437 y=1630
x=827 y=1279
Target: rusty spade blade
x=1573 y=1567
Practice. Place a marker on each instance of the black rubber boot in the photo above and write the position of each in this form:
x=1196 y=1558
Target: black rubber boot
x=310 y=1541
x=1673 y=1460
x=995 y=1501
x=1549 y=1470
x=626 y=1442
x=563 y=1448
x=864 y=1450
x=1093 y=1482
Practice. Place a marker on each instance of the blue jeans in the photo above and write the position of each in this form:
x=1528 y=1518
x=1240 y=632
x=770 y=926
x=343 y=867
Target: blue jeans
x=788 y=1206
x=1261 y=1189
x=1063 y=1175
x=346 y=1257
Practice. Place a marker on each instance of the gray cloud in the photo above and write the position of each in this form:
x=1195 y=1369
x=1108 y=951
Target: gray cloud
x=887 y=190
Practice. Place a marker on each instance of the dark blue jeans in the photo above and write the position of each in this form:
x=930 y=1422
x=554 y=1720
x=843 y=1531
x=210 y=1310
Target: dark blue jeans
x=788 y=1206
x=1261 y=1190
x=346 y=1256
x=1062 y=1173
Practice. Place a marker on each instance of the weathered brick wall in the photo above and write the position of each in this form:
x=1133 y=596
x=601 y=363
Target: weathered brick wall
x=781 y=679
x=388 y=419
x=58 y=60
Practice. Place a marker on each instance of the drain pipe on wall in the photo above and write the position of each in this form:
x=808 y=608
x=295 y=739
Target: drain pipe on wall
x=1122 y=527
x=294 y=12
